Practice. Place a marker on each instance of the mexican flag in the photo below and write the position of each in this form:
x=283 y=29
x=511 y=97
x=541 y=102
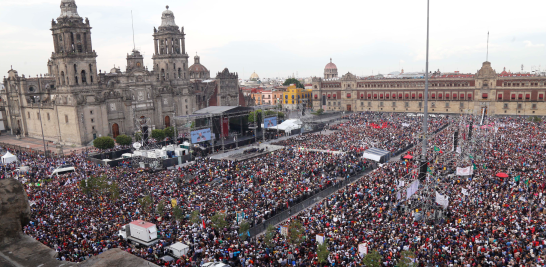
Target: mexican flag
x=517 y=178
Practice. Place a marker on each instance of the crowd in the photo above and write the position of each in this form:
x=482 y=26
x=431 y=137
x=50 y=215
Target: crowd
x=490 y=221
x=392 y=132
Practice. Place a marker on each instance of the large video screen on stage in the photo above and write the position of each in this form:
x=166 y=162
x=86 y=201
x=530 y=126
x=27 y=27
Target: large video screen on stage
x=270 y=122
x=200 y=135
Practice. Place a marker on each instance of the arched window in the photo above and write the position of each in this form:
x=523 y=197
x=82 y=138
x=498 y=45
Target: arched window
x=179 y=73
x=163 y=74
x=62 y=77
x=84 y=77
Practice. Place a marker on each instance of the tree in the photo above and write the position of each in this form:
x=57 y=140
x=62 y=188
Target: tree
x=294 y=81
x=253 y=115
x=178 y=214
x=113 y=190
x=372 y=259
x=170 y=132
x=270 y=233
x=319 y=111
x=100 y=186
x=295 y=232
x=146 y=203
x=244 y=230
x=194 y=217
x=322 y=252
x=407 y=259
x=160 y=206
x=158 y=134
x=124 y=140
x=105 y=142
x=219 y=221
x=138 y=136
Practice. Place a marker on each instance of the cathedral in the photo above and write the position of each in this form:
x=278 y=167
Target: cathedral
x=75 y=103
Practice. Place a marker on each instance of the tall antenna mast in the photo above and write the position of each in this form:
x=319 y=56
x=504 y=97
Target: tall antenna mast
x=487 y=54
x=133 y=26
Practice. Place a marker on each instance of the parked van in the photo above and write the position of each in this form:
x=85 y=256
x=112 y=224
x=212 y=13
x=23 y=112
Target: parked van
x=62 y=170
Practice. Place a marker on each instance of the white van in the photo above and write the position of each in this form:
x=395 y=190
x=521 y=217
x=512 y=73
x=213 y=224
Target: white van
x=62 y=170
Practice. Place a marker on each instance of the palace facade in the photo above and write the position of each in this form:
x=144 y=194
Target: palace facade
x=485 y=91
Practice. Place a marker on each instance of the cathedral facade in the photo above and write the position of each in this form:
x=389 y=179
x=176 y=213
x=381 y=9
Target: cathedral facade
x=76 y=103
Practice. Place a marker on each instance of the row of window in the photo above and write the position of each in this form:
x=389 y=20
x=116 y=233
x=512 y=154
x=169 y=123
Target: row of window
x=48 y=117
x=406 y=96
x=406 y=104
x=303 y=96
x=520 y=97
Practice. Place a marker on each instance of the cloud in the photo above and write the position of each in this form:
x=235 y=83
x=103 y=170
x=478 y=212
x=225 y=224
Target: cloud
x=530 y=44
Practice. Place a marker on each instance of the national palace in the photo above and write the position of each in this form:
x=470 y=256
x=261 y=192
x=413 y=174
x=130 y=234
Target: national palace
x=486 y=91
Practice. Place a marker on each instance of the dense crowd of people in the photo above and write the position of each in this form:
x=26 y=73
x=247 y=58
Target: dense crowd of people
x=490 y=220
x=392 y=132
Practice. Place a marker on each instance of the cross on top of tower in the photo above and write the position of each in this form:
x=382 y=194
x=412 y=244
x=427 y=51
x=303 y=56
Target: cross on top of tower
x=167 y=6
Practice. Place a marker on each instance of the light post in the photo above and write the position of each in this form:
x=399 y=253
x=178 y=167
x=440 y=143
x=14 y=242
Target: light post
x=42 y=126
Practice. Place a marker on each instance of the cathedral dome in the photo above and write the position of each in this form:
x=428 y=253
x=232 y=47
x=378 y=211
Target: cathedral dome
x=197 y=68
x=254 y=76
x=198 y=71
x=167 y=18
x=330 y=66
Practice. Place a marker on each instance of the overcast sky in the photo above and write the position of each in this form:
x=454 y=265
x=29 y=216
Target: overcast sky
x=278 y=38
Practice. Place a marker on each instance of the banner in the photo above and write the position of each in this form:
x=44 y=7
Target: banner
x=270 y=122
x=464 y=191
x=412 y=189
x=465 y=171
x=200 y=135
x=284 y=230
x=362 y=249
x=225 y=127
x=442 y=200
x=320 y=238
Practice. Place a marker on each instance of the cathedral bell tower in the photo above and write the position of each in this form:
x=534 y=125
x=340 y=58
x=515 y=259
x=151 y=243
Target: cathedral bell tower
x=170 y=58
x=74 y=60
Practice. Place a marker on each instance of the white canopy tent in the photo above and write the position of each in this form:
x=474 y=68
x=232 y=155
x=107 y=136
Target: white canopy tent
x=8 y=158
x=288 y=125
x=377 y=154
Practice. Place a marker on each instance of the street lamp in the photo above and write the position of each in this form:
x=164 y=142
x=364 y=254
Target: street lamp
x=42 y=126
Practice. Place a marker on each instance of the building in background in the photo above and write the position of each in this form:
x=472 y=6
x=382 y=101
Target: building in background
x=485 y=92
x=75 y=102
x=330 y=71
x=296 y=98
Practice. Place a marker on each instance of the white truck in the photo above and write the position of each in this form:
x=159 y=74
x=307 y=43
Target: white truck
x=178 y=249
x=139 y=232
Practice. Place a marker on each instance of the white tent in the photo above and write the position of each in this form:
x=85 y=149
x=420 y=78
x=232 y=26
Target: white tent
x=288 y=125
x=8 y=158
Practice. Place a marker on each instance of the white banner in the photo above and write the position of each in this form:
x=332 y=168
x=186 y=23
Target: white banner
x=465 y=192
x=412 y=189
x=458 y=150
x=320 y=238
x=362 y=249
x=465 y=171
x=442 y=200
x=405 y=124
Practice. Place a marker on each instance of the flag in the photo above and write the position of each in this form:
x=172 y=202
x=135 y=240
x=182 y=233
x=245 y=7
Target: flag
x=436 y=149
x=474 y=165
x=173 y=202
x=517 y=178
x=204 y=226
x=484 y=166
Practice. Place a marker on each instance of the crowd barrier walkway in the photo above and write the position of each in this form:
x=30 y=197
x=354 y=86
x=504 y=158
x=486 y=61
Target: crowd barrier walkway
x=294 y=209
